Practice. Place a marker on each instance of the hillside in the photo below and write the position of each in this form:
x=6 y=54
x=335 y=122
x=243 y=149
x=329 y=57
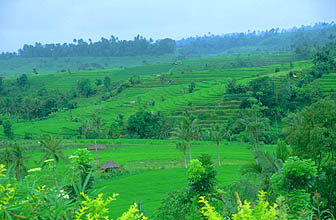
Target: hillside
x=215 y=91
x=162 y=88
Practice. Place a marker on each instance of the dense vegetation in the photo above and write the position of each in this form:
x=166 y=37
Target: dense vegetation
x=267 y=120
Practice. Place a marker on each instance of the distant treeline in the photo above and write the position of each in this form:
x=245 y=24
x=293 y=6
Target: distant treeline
x=112 y=47
x=270 y=40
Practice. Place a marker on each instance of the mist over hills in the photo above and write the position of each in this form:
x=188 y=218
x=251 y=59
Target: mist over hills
x=252 y=41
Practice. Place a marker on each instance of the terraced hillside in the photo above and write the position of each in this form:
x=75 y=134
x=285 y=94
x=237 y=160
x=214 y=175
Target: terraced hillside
x=159 y=90
x=328 y=84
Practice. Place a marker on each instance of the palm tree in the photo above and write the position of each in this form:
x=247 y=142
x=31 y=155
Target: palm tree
x=291 y=122
x=216 y=136
x=18 y=159
x=256 y=125
x=6 y=156
x=52 y=149
x=97 y=122
x=185 y=131
x=13 y=157
x=181 y=146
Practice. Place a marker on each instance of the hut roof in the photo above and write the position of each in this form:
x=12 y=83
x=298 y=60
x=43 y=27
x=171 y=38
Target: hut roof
x=109 y=164
x=98 y=146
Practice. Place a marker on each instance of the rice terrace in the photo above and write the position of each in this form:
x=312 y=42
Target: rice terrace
x=234 y=126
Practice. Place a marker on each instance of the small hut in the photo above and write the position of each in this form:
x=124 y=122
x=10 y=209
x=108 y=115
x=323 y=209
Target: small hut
x=109 y=165
x=98 y=146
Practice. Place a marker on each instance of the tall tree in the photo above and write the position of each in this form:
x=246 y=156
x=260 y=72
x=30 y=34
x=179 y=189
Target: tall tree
x=216 y=136
x=18 y=161
x=312 y=134
x=7 y=127
x=22 y=81
x=256 y=125
x=182 y=146
x=97 y=122
x=107 y=83
x=52 y=150
x=185 y=131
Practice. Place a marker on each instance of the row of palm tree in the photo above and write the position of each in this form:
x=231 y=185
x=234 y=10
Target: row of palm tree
x=14 y=156
x=185 y=132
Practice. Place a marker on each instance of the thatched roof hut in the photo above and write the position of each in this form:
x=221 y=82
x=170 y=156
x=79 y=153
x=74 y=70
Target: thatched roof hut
x=109 y=165
x=98 y=146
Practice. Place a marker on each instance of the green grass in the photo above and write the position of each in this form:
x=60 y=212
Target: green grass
x=155 y=167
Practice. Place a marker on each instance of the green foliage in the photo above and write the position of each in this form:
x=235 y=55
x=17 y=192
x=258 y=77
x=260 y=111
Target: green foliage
x=184 y=204
x=202 y=176
x=145 y=124
x=216 y=136
x=52 y=149
x=182 y=146
x=296 y=182
x=256 y=125
x=82 y=166
x=282 y=150
x=94 y=208
x=262 y=211
x=176 y=206
x=1 y=84
x=191 y=87
x=84 y=87
x=25 y=201
x=263 y=89
x=208 y=211
x=22 y=81
x=297 y=174
x=7 y=128
x=311 y=132
x=195 y=171
x=232 y=87
x=107 y=83
x=185 y=130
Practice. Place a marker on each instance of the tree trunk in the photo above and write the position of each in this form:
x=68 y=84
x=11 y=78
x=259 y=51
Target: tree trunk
x=189 y=151
x=96 y=153
x=55 y=176
x=185 y=160
x=276 y=124
x=219 y=163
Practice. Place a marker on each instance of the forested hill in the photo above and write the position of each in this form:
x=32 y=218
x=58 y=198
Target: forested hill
x=270 y=40
x=299 y=39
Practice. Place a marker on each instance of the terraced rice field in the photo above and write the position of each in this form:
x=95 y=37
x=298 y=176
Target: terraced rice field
x=208 y=101
x=328 y=84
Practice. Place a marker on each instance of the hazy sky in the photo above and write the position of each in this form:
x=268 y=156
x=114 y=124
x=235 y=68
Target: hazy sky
x=50 y=21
